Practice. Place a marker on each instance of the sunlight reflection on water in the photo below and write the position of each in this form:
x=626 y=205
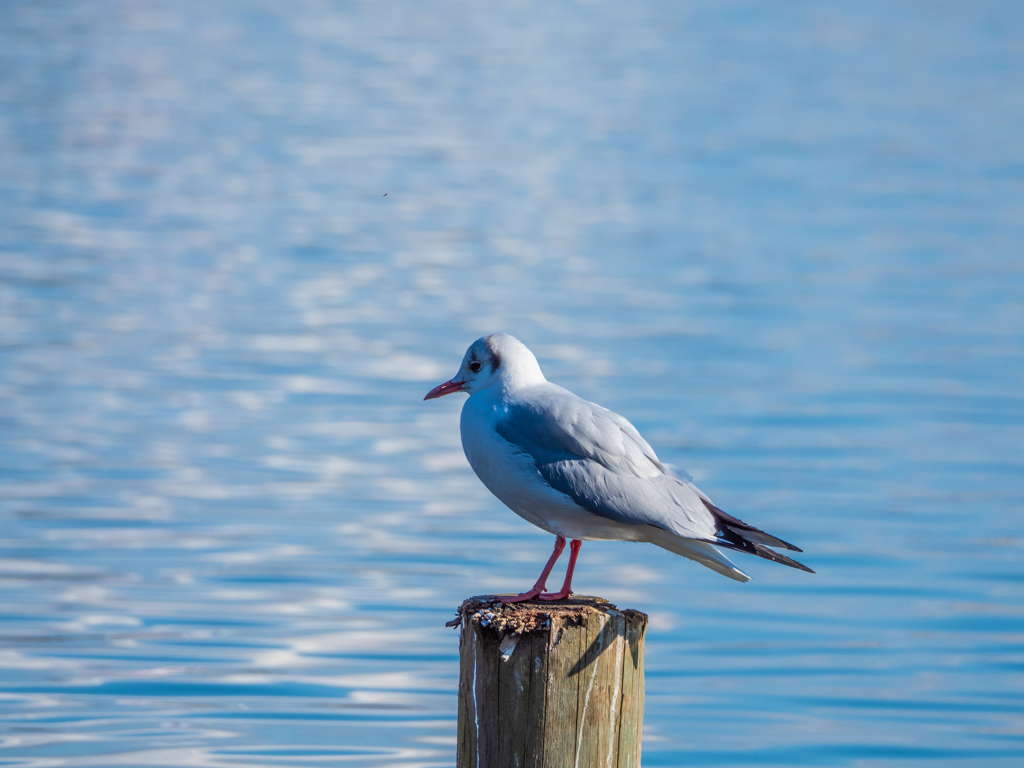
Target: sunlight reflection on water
x=232 y=532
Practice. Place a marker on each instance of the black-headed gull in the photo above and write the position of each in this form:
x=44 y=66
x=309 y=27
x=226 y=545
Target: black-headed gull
x=581 y=472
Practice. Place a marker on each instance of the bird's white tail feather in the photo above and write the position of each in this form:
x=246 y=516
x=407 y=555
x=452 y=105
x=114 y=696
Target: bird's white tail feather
x=704 y=553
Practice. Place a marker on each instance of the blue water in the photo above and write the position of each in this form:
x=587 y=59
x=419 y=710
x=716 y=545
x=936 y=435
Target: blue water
x=785 y=240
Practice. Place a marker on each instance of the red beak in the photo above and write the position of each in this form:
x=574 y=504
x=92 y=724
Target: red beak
x=445 y=389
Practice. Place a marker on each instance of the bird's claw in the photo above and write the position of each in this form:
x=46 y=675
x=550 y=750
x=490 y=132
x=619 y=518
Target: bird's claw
x=560 y=595
x=530 y=595
x=535 y=594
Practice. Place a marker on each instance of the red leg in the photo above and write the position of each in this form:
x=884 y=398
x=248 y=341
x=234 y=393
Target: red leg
x=566 y=590
x=538 y=588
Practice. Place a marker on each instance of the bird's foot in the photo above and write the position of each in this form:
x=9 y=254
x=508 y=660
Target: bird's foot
x=535 y=594
x=561 y=594
x=529 y=595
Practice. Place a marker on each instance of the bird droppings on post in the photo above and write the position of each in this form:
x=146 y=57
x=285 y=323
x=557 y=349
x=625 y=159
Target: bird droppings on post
x=508 y=645
x=549 y=683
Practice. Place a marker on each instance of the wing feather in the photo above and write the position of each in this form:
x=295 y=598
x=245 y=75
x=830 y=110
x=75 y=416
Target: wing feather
x=600 y=461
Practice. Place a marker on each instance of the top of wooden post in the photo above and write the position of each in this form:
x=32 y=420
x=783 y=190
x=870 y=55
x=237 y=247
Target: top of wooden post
x=535 y=615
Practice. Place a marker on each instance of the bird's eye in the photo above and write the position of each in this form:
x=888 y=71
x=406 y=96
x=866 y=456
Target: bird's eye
x=474 y=366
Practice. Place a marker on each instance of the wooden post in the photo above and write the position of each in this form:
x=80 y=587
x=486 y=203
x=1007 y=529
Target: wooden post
x=550 y=685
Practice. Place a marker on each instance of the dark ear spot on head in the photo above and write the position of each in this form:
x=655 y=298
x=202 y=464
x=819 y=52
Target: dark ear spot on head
x=495 y=357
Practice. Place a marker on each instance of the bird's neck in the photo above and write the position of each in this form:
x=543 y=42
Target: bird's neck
x=517 y=381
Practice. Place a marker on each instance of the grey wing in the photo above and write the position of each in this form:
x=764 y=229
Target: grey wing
x=600 y=461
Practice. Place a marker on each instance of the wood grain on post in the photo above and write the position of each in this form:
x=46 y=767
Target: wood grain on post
x=550 y=685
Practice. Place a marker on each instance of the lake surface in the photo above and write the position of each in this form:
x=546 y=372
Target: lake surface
x=239 y=241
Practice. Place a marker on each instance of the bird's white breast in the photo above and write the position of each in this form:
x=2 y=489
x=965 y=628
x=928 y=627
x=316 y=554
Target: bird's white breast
x=512 y=476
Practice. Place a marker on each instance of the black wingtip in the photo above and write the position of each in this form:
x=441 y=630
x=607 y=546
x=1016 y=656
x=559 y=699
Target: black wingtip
x=786 y=545
x=734 y=534
x=768 y=554
x=731 y=540
x=726 y=521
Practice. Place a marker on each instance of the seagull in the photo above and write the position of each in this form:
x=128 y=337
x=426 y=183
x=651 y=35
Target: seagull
x=582 y=472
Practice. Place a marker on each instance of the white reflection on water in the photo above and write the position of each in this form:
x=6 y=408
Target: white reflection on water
x=784 y=242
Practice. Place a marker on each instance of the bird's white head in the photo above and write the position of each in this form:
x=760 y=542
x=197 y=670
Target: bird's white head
x=497 y=359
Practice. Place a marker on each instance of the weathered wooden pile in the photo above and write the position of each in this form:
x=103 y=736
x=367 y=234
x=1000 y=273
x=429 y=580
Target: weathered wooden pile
x=550 y=684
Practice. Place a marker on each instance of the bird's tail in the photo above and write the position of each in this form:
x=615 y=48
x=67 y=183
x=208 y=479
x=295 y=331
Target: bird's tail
x=701 y=551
